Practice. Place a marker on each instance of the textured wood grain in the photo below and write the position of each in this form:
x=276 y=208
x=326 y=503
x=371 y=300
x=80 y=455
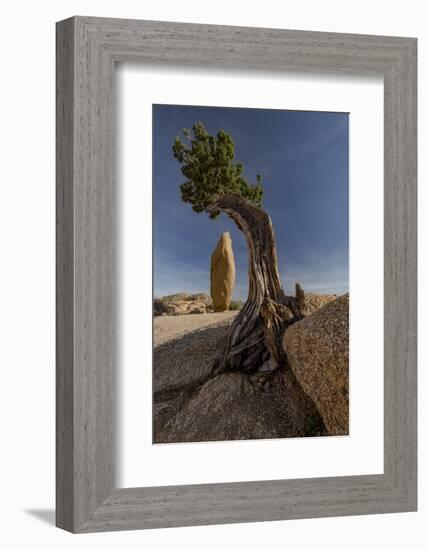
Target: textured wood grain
x=64 y=277
x=87 y=49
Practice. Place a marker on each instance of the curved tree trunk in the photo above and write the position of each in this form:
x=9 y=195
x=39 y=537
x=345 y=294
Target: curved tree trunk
x=254 y=341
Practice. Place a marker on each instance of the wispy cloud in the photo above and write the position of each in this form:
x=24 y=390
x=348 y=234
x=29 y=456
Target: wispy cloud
x=171 y=278
x=324 y=273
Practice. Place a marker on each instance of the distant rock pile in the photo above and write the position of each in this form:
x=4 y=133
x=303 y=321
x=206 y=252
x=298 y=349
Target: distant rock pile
x=182 y=304
x=222 y=273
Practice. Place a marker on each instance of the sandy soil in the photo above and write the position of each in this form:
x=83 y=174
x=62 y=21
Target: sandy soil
x=170 y=327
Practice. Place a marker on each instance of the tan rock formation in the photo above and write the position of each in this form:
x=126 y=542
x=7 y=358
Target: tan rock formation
x=182 y=304
x=313 y=302
x=222 y=273
x=317 y=350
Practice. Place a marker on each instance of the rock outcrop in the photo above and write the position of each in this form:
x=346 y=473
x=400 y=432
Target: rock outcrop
x=235 y=406
x=312 y=302
x=181 y=364
x=317 y=349
x=222 y=273
x=182 y=304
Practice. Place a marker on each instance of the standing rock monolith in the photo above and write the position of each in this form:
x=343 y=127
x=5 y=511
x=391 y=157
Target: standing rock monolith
x=222 y=273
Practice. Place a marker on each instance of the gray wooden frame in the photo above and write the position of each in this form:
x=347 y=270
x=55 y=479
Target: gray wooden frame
x=87 y=50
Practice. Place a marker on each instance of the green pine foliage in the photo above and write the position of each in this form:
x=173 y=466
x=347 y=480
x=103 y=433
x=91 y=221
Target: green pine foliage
x=206 y=163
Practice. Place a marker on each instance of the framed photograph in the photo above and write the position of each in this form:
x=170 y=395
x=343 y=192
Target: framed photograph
x=236 y=274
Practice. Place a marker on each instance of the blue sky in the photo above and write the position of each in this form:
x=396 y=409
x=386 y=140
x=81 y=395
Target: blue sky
x=303 y=159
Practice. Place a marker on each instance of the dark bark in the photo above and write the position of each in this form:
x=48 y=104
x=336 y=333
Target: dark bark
x=254 y=341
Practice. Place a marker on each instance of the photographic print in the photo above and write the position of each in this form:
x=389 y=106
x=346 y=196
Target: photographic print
x=250 y=273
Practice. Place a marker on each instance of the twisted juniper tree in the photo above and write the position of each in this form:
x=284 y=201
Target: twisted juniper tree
x=215 y=184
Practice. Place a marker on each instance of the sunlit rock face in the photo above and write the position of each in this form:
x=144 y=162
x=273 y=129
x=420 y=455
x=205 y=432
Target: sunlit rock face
x=317 y=350
x=222 y=273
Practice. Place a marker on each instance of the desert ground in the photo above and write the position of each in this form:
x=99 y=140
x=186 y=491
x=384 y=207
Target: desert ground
x=171 y=327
